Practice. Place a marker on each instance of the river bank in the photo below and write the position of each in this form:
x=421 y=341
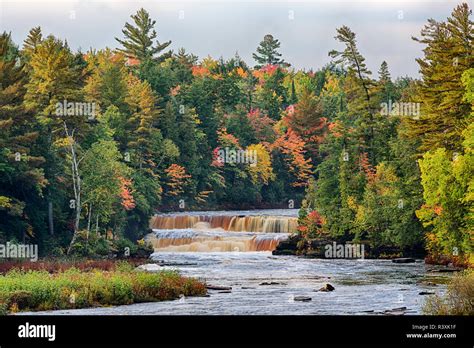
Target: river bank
x=62 y=285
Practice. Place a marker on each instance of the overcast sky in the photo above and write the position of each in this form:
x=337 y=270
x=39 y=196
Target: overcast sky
x=306 y=29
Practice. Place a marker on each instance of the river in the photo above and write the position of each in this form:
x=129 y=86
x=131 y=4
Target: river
x=233 y=249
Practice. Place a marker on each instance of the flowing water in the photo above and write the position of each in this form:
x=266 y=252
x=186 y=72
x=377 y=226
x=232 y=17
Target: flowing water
x=254 y=230
x=233 y=249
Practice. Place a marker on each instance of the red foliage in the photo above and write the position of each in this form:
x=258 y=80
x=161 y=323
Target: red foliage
x=366 y=166
x=269 y=69
x=265 y=72
x=335 y=129
x=226 y=139
x=311 y=226
x=292 y=145
x=315 y=218
x=261 y=124
x=177 y=179
x=216 y=162
x=200 y=71
x=306 y=119
x=128 y=202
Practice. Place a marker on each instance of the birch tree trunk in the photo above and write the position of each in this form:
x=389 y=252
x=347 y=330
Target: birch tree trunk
x=76 y=183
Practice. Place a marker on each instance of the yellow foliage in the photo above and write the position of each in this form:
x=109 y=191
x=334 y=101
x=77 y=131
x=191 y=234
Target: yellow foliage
x=262 y=170
x=241 y=72
x=351 y=203
x=5 y=202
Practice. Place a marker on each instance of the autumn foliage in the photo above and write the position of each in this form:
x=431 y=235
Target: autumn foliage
x=126 y=196
x=177 y=179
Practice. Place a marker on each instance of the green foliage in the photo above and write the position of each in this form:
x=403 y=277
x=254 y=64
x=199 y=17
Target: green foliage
x=138 y=42
x=267 y=52
x=22 y=178
x=447 y=55
x=102 y=177
x=447 y=191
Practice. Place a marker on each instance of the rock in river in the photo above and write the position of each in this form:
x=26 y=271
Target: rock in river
x=403 y=260
x=426 y=293
x=215 y=287
x=272 y=283
x=302 y=298
x=327 y=287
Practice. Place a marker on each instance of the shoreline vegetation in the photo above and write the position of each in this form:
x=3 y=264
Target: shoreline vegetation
x=54 y=285
x=299 y=245
x=458 y=300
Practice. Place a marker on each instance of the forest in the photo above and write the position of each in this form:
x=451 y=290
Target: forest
x=93 y=143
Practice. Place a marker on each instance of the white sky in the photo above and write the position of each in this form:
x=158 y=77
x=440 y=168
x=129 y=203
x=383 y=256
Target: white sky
x=306 y=29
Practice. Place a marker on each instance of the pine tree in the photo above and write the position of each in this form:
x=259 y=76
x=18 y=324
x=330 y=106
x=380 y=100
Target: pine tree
x=107 y=81
x=53 y=79
x=21 y=176
x=358 y=87
x=182 y=65
x=385 y=84
x=186 y=59
x=32 y=41
x=448 y=53
x=139 y=39
x=293 y=98
x=142 y=124
x=384 y=74
x=267 y=52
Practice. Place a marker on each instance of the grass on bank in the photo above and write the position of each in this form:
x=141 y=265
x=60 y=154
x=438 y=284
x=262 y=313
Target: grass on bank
x=458 y=299
x=41 y=290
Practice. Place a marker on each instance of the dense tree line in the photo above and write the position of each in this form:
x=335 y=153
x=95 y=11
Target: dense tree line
x=93 y=143
x=404 y=180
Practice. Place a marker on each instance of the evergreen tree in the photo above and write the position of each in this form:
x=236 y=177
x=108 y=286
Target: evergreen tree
x=385 y=85
x=22 y=179
x=384 y=74
x=32 y=41
x=139 y=39
x=293 y=98
x=141 y=124
x=106 y=84
x=448 y=53
x=267 y=52
x=358 y=88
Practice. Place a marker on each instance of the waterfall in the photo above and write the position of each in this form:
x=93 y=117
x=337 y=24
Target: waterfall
x=221 y=231
x=266 y=224
x=214 y=245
